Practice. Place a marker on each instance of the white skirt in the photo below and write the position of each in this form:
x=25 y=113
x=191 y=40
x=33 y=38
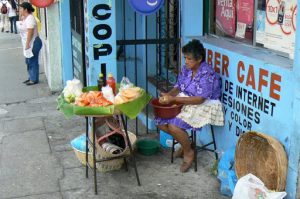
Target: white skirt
x=209 y=112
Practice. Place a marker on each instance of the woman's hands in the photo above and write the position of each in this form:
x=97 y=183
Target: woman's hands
x=166 y=99
x=27 y=46
x=170 y=97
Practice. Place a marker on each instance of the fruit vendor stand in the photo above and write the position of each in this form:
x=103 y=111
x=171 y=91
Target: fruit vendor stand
x=92 y=112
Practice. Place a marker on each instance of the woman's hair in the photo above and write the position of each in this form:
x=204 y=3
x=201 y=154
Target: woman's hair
x=195 y=48
x=27 y=6
x=13 y=4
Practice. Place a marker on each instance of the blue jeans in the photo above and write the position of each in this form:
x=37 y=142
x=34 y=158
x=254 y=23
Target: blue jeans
x=33 y=62
x=13 y=24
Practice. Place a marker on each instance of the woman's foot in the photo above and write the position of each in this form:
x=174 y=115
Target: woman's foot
x=187 y=161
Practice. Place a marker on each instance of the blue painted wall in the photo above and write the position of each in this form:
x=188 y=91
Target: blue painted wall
x=191 y=18
x=295 y=81
x=66 y=45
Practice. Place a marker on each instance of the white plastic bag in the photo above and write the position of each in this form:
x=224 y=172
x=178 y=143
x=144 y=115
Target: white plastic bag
x=28 y=53
x=125 y=83
x=108 y=93
x=251 y=187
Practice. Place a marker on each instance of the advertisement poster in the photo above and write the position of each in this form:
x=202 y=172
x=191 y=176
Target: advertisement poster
x=245 y=16
x=260 y=26
x=226 y=16
x=281 y=25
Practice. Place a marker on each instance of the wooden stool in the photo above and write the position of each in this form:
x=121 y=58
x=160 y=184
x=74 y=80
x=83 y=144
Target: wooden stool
x=193 y=138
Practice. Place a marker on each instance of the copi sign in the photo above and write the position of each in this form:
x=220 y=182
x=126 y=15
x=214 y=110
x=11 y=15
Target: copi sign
x=102 y=31
x=100 y=38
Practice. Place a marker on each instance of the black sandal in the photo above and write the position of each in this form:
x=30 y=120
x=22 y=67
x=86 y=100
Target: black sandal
x=31 y=83
x=26 y=81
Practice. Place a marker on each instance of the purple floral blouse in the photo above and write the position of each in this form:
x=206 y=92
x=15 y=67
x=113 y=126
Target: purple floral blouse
x=206 y=83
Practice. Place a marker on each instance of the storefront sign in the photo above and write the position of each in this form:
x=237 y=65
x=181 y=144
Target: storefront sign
x=146 y=7
x=41 y=3
x=244 y=104
x=226 y=16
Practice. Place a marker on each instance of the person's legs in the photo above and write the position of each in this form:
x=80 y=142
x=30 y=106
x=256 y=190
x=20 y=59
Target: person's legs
x=27 y=65
x=163 y=128
x=182 y=137
x=11 y=19
x=6 y=23
x=34 y=62
x=15 y=23
x=2 y=23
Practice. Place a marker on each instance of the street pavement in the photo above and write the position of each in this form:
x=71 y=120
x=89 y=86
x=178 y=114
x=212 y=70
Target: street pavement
x=37 y=161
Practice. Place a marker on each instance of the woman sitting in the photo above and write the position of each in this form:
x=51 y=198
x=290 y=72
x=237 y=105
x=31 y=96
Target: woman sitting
x=196 y=83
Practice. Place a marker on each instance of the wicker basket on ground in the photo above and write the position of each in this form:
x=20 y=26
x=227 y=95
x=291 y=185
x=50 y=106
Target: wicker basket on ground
x=264 y=157
x=113 y=164
x=101 y=153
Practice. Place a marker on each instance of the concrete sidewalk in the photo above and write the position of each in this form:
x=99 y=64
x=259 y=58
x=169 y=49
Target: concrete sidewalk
x=37 y=161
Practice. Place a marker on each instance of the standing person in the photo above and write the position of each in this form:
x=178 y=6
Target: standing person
x=31 y=41
x=4 y=5
x=197 y=83
x=12 y=14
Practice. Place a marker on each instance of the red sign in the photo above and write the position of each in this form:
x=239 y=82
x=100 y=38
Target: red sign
x=41 y=3
x=272 y=11
x=245 y=16
x=226 y=16
x=245 y=10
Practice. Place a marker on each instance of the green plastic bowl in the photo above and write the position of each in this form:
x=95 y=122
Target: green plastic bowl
x=147 y=146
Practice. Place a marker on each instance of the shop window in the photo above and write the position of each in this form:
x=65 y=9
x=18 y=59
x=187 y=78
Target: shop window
x=269 y=24
x=76 y=8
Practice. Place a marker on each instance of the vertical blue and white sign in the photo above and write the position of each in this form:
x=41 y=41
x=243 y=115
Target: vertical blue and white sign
x=100 y=30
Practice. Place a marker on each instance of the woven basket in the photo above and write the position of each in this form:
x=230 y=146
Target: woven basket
x=81 y=156
x=264 y=157
x=113 y=164
x=100 y=153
